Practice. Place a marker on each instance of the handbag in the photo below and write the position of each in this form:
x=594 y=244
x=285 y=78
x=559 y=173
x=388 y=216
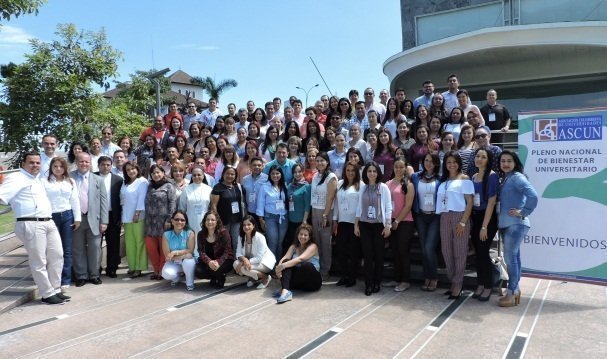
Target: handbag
x=500 y=270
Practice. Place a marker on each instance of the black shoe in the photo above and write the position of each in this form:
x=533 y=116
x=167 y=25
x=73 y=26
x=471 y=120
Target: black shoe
x=376 y=288
x=63 y=297
x=447 y=292
x=111 y=274
x=213 y=282
x=453 y=296
x=96 y=281
x=484 y=299
x=80 y=282
x=341 y=281
x=368 y=291
x=53 y=299
x=220 y=283
x=350 y=283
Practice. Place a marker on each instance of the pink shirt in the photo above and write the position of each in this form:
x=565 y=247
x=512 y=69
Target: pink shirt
x=399 y=200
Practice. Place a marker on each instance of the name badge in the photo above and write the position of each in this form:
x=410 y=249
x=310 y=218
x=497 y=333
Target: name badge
x=491 y=116
x=442 y=200
x=251 y=198
x=198 y=209
x=428 y=199
x=371 y=212
x=280 y=205
x=291 y=206
x=381 y=167
x=477 y=200
x=235 y=208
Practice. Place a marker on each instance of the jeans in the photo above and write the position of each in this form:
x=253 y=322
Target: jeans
x=276 y=229
x=64 y=221
x=513 y=237
x=234 y=229
x=428 y=227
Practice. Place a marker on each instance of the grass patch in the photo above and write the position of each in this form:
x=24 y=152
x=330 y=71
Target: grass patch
x=7 y=221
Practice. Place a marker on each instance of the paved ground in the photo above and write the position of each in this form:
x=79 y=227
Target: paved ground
x=143 y=318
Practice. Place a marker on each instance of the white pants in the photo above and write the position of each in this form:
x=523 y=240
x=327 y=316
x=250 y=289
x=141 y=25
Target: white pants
x=255 y=269
x=44 y=252
x=187 y=266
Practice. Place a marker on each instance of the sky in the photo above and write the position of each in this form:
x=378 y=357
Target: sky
x=264 y=45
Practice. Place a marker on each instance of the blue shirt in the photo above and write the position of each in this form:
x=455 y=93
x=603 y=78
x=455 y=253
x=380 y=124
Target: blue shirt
x=516 y=192
x=271 y=201
x=251 y=185
x=301 y=199
x=492 y=183
x=338 y=160
x=423 y=100
x=287 y=169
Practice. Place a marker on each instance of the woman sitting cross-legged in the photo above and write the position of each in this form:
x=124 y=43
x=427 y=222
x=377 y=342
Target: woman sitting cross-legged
x=215 y=250
x=300 y=267
x=253 y=257
x=178 y=246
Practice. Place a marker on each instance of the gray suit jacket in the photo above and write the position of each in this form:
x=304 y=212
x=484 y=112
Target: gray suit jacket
x=98 y=202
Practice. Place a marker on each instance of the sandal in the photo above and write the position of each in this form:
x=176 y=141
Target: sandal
x=425 y=285
x=432 y=285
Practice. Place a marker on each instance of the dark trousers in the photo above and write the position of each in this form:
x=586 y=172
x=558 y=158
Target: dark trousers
x=372 y=243
x=484 y=267
x=428 y=226
x=64 y=221
x=112 y=241
x=348 y=250
x=304 y=277
x=204 y=272
x=400 y=242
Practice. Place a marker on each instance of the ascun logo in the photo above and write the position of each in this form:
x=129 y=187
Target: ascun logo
x=587 y=128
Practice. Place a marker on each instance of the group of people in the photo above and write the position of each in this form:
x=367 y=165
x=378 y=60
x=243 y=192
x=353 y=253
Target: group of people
x=264 y=192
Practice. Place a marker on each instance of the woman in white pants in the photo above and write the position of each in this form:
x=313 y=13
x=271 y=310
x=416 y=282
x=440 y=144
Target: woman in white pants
x=178 y=246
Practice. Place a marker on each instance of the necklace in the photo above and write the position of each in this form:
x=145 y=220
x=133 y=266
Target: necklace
x=429 y=177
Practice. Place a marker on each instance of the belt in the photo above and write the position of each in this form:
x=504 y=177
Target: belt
x=84 y=214
x=33 y=219
x=428 y=212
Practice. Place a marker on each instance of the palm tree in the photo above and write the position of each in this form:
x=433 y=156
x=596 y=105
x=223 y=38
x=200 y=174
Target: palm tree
x=213 y=89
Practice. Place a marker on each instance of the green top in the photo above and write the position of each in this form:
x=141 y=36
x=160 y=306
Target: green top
x=301 y=198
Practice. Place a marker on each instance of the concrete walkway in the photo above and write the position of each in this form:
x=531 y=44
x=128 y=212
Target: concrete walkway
x=142 y=318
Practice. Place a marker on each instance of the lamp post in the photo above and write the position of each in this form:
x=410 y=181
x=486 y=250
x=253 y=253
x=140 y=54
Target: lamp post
x=306 y=92
x=154 y=79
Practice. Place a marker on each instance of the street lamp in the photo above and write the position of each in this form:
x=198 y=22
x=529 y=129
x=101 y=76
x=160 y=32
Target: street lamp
x=306 y=92
x=154 y=78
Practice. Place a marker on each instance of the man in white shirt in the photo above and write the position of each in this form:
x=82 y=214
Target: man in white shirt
x=298 y=116
x=383 y=97
x=370 y=104
x=49 y=143
x=87 y=238
x=119 y=161
x=107 y=147
x=450 y=95
x=191 y=117
x=25 y=193
x=269 y=107
x=277 y=104
x=113 y=184
x=210 y=114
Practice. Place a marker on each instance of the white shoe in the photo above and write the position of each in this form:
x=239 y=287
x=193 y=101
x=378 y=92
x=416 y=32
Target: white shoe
x=401 y=287
x=389 y=284
x=250 y=283
x=263 y=285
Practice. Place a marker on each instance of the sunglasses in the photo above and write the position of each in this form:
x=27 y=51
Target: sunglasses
x=482 y=135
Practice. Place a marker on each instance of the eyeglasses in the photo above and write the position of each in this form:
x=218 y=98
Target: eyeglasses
x=192 y=106
x=179 y=219
x=158 y=149
x=482 y=135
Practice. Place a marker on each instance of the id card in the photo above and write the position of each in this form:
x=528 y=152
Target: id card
x=291 y=206
x=280 y=205
x=251 y=198
x=428 y=199
x=371 y=212
x=198 y=209
x=235 y=208
x=477 y=200
x=491 y=116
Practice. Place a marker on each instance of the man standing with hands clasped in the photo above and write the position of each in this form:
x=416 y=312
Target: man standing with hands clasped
x=25 y=193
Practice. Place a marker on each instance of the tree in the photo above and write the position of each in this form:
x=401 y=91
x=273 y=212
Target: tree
x=213 y=89
x=17 y=8
x=52 y=91
x=140 y=93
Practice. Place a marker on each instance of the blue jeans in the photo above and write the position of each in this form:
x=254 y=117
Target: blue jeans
x=63 y=222
x=513 y=237
x=275 y=232
x=428 y=228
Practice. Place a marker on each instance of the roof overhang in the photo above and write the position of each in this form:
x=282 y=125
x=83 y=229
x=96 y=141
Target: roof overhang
x=506 y=57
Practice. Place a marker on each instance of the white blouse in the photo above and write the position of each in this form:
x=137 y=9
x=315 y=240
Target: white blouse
x=63 y=196
x=451 y=195
x=344 y=209
x=132 y=198
x=319 y=192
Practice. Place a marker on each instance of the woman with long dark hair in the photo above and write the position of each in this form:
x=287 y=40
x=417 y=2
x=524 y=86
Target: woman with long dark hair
x=484 y=221
x=373 y=224
x=403 y=194
x=438 y=107
x=324 y=186
x=427 y=221
x=300 y=267
x=75 y=148
x=227 y=199
x=132 y=198
x=272 y=202
x=344 y=216
x=408 y=110
x=267 y=149
x=214 y=250
x=403 y=140
x=299 y=194
x=517 y=200
x=345 y=109
x=253 y=257
x=421 y=147
x=455 y=198
x=455 y=122
x=393 y=116
x=291 y=129
x=384 y=154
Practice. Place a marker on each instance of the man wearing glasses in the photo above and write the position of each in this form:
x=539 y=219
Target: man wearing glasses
x=371 y=105
x=191 y=116
x=426 y=98
x=482 y=136
x=107 y=146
